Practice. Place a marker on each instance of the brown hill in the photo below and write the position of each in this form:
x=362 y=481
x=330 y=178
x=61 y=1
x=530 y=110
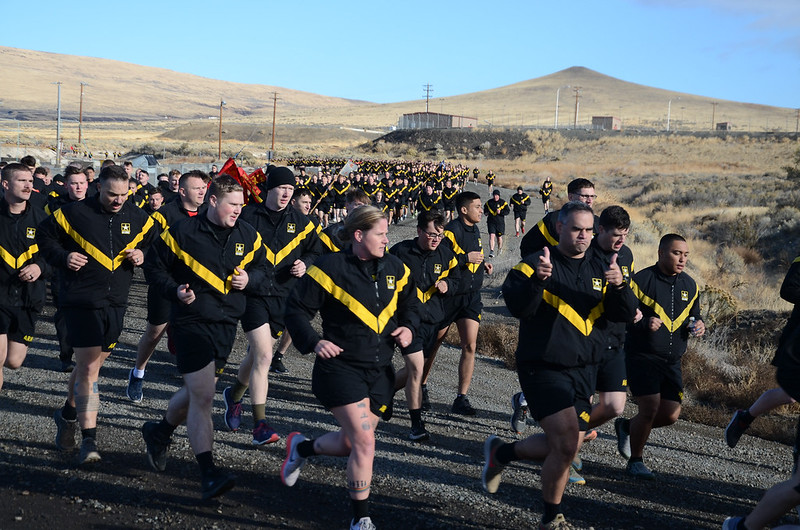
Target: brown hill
x=123 y=91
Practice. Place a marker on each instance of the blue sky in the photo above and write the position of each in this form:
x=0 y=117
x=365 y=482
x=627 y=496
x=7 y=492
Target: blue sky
x=741 y=50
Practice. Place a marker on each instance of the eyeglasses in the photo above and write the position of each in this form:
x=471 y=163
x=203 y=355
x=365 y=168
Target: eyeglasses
x=434 y=235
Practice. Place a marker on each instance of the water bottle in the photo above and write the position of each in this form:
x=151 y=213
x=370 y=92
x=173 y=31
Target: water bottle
x=692 y=325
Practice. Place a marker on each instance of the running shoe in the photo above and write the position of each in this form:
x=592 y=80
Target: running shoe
x=365 y=523
x=67 y=366
x=462 y=406
x=559 y=523
x=491 y=254
x=215 y=483
x=639 y=470
x=156 y=448
x=577 y=463
x=88 y=454
x=492 y=469
x=736 y=428
x=277 y=366
x=264 y=434
x=575 y=477
x=134 y=390
x=623 y=430
x=233 y=410
x=519 y=414
x=290 y=469
x=731 y=523
x=426 y=399
x=65 y=432
x=419 y=434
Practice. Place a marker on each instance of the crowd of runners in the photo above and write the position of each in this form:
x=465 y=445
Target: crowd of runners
x=219 y=251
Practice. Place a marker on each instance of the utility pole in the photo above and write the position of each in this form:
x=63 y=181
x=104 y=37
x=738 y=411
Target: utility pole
x=58 y=125
x=797 y=123
x=577 y=90
x=428 y=89
x=80 y=115
x=274 y=112
x=555 y=124
x=219 y=145
x=713 y=114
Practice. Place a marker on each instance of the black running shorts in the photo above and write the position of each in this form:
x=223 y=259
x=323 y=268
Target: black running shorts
x=423 y=338
x=336 y=383
x=18 y=323
x=549 y=390
x=467 y=305
x=158 y=307
x=88 y=328
x=264 y=310
x=648 y=375
x=611 y=373
x=196 y=345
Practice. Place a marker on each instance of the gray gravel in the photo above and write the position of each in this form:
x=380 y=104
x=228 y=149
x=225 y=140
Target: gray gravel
x=432 y=485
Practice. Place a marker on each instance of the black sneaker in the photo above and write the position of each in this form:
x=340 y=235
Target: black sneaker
x=67 y=366
x=462 y=406
x=156 y=449
x=519 y=413
x=419 y=434
x=217 y=482
x=134 y=390
x=736 y=428
x=622 y=427
x=88 y=454
x=277 y=366
x=65 y=432
x=426 y=400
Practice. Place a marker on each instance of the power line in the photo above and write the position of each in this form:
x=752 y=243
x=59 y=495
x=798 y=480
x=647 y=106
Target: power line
x=428 y=89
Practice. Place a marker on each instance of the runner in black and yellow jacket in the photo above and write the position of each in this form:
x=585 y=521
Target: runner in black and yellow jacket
x=23 y=268
x=560 y=295
x=545 y=232
x=463 y=236
x=520 y=202
x=192 y=187
x=95 y=244
x=367 y=301
x=204 y=265
x=291 y=244
x=669 y=301
x=436 y=273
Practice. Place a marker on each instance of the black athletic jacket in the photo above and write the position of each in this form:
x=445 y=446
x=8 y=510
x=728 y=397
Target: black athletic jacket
x=86 y=227
x=18 y=248
x=559 y=317
x=615 y=331
x=171 y=213
x=495 y=212
x=361 y=303
x=329 y=237
x=788 y=353
x=462 y=240
x=544 y=233
x=520 y=203
x=427 y=202
x=427 y=268
x=293 y=237
x=203 y=255
x=673 y=299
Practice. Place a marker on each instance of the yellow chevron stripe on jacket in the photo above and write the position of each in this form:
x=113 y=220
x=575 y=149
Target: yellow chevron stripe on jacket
x=161 y=220
x=375 y=323
x=276 y=258
x=584 y=325
x=94 y=252
x=221 y=285
x=424 y=297
x=671 y=325
x=18 y=262
x=328 y=242
x=546 y=233
x=473 y=267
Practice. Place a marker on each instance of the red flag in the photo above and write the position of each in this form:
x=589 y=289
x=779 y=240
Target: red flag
x=248 y=182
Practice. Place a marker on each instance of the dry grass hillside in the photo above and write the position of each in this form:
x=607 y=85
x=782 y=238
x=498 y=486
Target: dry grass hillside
x=123 y=91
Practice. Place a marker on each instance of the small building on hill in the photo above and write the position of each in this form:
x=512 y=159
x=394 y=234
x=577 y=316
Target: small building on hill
x=435 y=120
x=724 y=126
x=606 y=123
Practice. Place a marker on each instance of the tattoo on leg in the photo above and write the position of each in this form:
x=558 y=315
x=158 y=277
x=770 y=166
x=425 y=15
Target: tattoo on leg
x=89 y=403
x=366 y=426
x=357 y=486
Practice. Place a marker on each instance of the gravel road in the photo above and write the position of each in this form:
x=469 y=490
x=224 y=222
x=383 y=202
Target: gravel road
x=437 y=484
